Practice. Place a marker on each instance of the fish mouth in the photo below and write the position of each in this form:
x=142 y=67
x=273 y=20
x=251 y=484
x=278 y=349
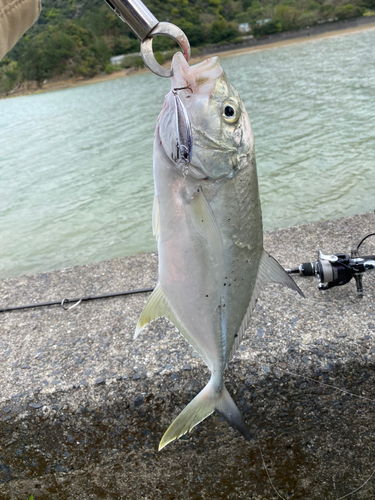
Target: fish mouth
x=200 y=78
x=192 y=142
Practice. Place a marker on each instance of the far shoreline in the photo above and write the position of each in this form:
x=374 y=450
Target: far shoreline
x=265 y=44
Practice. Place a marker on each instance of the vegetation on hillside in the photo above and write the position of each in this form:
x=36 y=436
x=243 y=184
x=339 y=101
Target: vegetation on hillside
x=77 y=37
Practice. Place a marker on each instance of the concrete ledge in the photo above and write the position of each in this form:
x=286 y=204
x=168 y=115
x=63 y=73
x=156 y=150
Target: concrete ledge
x=83 y=407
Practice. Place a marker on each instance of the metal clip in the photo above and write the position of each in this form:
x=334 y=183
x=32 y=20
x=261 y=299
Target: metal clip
x=65 y=304
x=165 y=29
x=145 y=26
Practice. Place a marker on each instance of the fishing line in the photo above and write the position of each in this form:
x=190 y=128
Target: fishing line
x=265 y=468
x=319 y=382
x=279 y=494
x=355 y=491
x=326 y=385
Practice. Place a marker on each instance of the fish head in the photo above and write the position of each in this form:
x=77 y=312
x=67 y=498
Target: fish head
x=203 y=127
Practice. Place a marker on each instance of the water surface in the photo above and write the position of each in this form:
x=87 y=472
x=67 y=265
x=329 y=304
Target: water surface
x=76 y=165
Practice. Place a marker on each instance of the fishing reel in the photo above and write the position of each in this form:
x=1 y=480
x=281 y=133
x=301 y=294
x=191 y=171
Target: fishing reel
x=338 y=269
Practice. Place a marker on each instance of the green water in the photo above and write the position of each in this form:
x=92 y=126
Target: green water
x=76 y=165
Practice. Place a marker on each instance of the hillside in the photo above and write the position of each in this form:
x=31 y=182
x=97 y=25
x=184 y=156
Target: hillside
x=77 y=38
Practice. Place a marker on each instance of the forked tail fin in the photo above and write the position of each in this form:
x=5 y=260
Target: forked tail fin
x=205 y=403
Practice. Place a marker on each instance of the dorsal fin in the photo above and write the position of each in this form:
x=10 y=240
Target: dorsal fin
x=269 y=271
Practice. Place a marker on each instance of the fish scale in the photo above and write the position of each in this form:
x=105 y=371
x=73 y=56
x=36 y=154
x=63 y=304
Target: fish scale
x=208 y=223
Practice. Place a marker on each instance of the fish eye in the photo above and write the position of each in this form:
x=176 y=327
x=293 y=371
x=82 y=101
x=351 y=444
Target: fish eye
x=230 y=112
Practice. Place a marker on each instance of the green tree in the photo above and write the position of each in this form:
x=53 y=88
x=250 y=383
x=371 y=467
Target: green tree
x=287 y=16
x=123 y=45
x=221 y=31
x=194 y=31
x=10 y=75
x=268 y=28
x=46 y=54
x=348 y=11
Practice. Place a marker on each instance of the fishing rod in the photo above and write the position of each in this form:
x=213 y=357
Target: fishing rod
x=64 y=303
x=331 y=270
x=338 y=269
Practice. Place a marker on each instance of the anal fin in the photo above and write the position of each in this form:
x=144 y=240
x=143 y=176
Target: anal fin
x=156 y=218
x=159 y=306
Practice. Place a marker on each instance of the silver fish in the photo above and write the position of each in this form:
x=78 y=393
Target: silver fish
x=208 y=224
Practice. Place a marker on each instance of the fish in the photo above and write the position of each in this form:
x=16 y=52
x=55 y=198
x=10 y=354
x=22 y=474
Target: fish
x=207 y=221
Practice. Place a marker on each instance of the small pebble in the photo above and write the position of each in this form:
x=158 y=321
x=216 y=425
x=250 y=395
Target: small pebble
x=59 y=468
x=35 y=405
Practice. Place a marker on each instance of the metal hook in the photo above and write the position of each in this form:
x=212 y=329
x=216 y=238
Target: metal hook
x=145 y=26
x=65 y=304
x=174 y=91
x=165 y=29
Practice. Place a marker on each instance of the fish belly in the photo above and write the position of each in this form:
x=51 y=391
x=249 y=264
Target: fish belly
x=210 y=243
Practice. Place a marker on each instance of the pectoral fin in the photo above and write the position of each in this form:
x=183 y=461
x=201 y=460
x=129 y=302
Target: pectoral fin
x=156 y=218
x=203 y=220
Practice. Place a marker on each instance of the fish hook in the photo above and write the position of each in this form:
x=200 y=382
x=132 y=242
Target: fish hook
x=182 y=88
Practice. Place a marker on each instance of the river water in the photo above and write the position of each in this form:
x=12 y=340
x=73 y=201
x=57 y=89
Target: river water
x=76 y=165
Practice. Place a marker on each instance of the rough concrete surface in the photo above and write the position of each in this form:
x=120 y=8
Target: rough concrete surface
x=83 y=406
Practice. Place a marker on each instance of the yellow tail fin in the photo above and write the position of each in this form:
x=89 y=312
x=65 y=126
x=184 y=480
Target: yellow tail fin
x=205 y=403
